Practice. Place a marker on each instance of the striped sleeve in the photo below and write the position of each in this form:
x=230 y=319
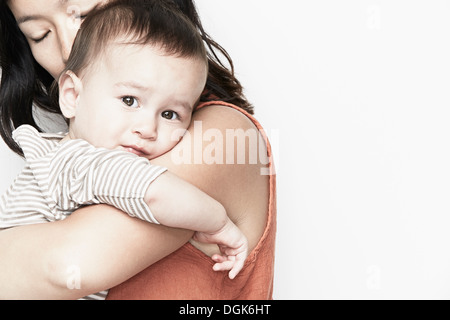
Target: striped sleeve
x=82 y=174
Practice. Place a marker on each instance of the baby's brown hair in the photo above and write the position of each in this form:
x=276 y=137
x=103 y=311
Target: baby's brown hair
x=145 y=22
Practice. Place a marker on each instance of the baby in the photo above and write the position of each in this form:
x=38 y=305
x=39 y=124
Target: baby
x=133 y=79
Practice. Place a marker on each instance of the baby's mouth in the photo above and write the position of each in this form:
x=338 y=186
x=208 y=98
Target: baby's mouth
x=137 y=151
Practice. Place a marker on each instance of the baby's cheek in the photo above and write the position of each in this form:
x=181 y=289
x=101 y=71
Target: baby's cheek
x=166 y=144
x=175 y=136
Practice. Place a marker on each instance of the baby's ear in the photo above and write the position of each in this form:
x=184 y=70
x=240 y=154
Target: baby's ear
x=70 y=87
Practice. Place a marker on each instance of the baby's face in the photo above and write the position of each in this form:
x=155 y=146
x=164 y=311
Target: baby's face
x=137 y=99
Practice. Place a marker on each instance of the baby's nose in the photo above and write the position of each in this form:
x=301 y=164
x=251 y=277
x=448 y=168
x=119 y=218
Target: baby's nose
x=148 y=131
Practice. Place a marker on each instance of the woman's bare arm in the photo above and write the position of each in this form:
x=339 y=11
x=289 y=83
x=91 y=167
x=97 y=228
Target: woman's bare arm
x=96 y=248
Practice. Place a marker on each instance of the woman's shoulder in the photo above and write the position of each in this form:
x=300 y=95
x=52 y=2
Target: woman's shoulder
x=235 y=151
x=231 y=139
x=225 y=115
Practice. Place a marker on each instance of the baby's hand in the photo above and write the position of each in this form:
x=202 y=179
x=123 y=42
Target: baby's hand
x=232 y=244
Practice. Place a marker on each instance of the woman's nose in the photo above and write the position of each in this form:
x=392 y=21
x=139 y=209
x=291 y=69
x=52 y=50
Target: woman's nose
x=67 y=32
x=66 y=42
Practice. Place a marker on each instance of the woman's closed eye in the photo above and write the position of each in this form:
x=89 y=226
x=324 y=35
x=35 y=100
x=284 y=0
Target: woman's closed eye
x=130 y=102
x=80 y=17
x=40 y=39
x=75 y=12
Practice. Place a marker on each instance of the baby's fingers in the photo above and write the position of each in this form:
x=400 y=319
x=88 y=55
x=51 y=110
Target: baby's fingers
x=219 y=258
x=224 y=265
x=238 y=265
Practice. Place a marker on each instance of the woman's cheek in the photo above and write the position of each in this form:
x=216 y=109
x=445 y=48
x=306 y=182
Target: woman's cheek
x=47 y=60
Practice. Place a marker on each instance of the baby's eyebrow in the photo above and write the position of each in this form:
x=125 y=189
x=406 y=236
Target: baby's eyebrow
x=131 y=84
x=186 y=105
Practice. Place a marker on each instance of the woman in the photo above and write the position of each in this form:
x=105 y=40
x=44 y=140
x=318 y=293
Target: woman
x=99 y=247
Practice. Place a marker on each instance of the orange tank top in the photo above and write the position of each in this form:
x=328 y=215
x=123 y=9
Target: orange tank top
x=187 y=273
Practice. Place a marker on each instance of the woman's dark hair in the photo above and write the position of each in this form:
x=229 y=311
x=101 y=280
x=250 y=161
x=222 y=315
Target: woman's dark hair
x=222 y=83
x=25 y=82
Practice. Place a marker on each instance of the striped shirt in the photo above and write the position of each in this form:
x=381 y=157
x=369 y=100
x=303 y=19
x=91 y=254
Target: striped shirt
x=59 y=178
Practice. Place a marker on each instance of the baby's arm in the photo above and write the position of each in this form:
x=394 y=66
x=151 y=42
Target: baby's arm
x=177 y=203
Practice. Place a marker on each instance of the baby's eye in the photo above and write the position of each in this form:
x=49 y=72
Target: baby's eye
x=130 y=102
x=169 y=115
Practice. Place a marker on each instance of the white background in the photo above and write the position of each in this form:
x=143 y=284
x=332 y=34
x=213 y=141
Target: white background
x=359 y=91
x=356 y=95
